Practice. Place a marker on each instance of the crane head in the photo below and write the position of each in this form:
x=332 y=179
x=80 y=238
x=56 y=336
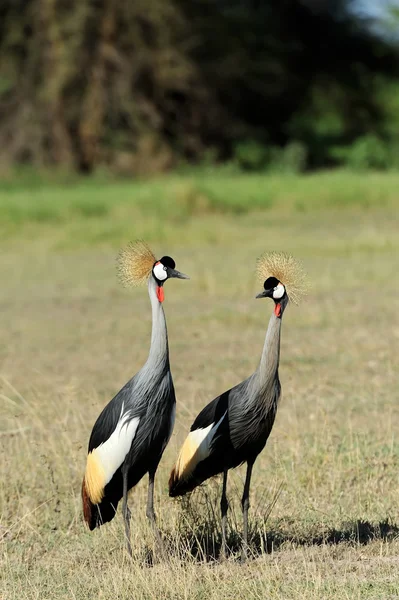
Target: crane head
x=273 y=288
x=282 y=276
x=162 y=270
x=137 y=263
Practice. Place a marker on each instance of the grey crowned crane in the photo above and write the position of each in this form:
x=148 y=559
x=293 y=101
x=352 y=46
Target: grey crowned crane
x=132 y=431
x=234 y=427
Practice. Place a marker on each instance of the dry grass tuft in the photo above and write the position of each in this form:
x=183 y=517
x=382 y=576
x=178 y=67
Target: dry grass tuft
x=286 y=269
x=135 y=263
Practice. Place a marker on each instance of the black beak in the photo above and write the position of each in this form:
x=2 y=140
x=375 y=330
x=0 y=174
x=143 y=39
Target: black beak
x=177 y=274
x=265 y=294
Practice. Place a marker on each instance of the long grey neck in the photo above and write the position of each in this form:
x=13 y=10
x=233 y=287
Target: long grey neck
x=268 y=367
x=159 y=351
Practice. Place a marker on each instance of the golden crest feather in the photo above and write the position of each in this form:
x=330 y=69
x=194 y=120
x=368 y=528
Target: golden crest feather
x=134 y=263
x=286 y=269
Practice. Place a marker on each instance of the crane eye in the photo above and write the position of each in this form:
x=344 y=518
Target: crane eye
x=165 y=268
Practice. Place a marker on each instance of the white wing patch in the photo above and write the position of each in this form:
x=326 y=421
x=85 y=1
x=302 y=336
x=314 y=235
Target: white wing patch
x=196 y=448
x=113 y=452
x=105 y=460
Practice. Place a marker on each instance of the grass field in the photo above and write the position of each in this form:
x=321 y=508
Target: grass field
x=325 y=495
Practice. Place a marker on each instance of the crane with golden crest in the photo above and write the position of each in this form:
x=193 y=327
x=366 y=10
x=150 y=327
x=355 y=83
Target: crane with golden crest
x=132 y=431
x=234 y=428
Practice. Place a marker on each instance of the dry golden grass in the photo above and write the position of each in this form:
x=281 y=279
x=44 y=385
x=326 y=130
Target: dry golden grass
x=324 y=514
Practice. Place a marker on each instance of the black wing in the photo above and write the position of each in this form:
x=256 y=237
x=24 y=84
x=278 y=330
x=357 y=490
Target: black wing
x=212 y=412
x=109 y=417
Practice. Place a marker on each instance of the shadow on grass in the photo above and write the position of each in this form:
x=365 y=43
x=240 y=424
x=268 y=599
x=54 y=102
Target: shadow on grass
x=199 y=532
x=204 y=543
x=357 y=532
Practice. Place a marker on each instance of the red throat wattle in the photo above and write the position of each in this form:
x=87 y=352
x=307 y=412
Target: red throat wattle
x=277 y=310
x=160 y=294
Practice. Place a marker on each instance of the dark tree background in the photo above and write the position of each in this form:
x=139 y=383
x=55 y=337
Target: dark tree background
x=139 y=85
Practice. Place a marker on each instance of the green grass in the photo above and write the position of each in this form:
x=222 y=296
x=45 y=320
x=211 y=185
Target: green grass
x=324 y=502
x=102 y=210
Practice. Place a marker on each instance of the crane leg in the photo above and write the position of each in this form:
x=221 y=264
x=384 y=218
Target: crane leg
x=126 y=514
x=245 y=507
x=224 y=505
x=151 y=512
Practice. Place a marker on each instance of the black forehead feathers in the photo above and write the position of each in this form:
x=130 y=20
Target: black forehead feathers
x=167 y=261
x=271 y=282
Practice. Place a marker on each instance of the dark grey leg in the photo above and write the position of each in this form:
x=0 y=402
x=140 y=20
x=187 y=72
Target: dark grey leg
x=245 y=507
x=224 y=505
x=151 y=513
x=126 y=514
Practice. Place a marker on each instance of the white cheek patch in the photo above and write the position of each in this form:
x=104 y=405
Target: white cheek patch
x=160 y=272
x=279 y=291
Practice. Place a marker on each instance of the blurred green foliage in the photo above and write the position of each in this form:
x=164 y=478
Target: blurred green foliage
x=142 y=87
x=250 y=155
x=366 y=152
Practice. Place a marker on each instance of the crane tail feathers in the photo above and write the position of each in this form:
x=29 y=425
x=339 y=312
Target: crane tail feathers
x=88 y=507
x=96 y=515
x=181 y=483
x=178 y=486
